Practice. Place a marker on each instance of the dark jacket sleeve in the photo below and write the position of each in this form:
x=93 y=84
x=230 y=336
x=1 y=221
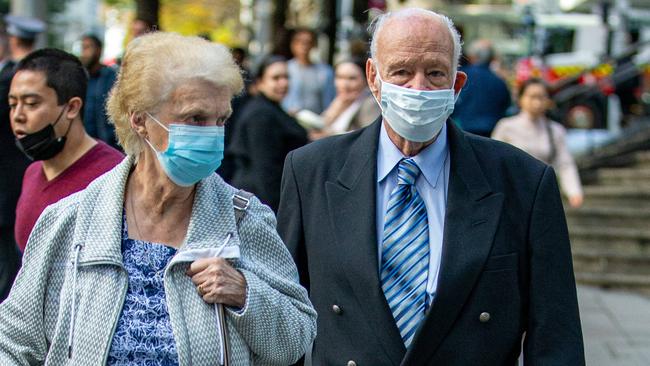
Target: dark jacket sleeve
x=290 y=220
x=290 y=224
x=264 y=159
x=554 y=335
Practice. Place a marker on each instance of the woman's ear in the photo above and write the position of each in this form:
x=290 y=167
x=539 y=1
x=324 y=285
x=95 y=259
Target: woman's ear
x=137 y=121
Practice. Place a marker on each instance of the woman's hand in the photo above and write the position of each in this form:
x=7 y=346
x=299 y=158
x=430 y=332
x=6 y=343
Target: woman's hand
x=576 y=201
x=217 y=282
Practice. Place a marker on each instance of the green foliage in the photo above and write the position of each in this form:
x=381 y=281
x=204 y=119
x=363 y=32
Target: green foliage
x=4 y=6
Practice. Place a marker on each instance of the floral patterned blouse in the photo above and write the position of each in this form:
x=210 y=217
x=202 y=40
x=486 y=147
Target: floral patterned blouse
x=144 y=333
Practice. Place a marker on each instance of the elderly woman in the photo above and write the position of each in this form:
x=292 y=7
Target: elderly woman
x=128 y=270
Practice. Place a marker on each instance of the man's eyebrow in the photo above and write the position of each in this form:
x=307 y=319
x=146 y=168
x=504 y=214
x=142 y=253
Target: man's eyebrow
x=23 y=96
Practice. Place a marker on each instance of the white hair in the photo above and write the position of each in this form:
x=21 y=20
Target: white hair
x=157 y=63
x=378 y=23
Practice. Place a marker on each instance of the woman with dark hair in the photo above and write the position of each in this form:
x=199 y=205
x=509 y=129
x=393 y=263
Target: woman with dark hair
x=533 y=132
x=264 y=134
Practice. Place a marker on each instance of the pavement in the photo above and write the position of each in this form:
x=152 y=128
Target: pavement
x=615 y=327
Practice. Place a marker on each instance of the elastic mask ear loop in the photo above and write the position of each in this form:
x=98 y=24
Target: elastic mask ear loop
x=161 y=125
x=59 y=117
x=157 y=121
x=456 y=95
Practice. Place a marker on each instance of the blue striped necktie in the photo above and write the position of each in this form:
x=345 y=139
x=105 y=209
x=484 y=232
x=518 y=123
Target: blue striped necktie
x=405 y=252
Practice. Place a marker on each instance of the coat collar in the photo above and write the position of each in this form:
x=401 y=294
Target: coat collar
x=99 y=216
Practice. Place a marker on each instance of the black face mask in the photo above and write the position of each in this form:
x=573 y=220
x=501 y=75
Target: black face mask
x=43 y=144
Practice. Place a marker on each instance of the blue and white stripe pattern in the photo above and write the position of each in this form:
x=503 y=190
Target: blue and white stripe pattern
x=405 y=252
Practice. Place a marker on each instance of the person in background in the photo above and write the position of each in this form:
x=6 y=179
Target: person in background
x=130 y=270
x=264 y=134
x=354 y=106
x=533 y=132
x=227 y=168
x=22 y=33
x=485 y=98
x=311 y=85
x=14 y=45
x=6 y=63
x=140 y=27
x=46 y=102
x=100 y=82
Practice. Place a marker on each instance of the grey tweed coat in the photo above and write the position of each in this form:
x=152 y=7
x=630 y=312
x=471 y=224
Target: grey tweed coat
x=73 y=283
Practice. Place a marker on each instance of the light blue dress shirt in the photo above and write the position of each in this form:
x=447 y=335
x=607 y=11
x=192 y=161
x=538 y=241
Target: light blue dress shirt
x=432 y=186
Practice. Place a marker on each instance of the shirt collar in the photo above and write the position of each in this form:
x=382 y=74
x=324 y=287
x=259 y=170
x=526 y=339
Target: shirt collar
x=430 y=160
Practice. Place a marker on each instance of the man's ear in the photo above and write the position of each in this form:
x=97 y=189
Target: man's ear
x=74 y=108
x=461 y=79
x=371 y=76
x=137 y=121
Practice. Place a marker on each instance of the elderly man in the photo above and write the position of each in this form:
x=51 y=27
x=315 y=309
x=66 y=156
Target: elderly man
x=421 y=244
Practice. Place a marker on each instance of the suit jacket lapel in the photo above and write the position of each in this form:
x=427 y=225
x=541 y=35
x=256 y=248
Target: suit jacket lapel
x=352 y=207
x=471 y=220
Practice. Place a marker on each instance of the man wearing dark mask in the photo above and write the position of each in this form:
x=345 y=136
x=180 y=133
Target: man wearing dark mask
x=46 y=104
x=422 y=244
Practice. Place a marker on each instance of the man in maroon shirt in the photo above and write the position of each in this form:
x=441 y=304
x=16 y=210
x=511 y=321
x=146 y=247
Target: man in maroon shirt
x=46 y=107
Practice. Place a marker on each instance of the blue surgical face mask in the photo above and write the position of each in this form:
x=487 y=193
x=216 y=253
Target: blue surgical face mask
x=193 y=152
x=416 y=115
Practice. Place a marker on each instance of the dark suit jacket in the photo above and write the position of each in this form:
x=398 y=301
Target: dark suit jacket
x=505 y=252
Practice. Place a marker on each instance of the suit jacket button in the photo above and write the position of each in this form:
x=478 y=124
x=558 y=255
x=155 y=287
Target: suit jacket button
x=484 y=317
x=337 y=310
x=352 y=363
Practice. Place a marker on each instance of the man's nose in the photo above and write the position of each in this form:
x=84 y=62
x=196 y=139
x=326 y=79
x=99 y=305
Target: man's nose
x=420 y=82
x=16 y=114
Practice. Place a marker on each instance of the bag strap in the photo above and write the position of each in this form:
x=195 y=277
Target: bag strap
x=240 y=202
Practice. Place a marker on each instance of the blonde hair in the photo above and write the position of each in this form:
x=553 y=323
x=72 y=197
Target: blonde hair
x=154 y=65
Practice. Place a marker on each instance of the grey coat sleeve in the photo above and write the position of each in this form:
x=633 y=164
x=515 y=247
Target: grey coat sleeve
x=22 y=323
x=278 y=321
x=554 y=335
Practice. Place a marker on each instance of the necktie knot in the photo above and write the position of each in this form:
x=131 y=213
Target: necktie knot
x=407 y=172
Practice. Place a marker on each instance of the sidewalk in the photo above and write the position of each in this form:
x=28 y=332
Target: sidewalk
x=615 y=326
